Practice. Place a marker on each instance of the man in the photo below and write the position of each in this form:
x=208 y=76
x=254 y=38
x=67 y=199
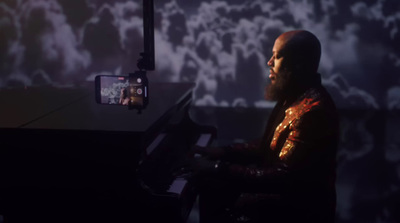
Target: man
x=123 y=97
x=289 y=175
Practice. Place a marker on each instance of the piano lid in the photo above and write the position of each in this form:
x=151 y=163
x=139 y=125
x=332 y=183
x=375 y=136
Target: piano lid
x=83 y=113
x=20 y=106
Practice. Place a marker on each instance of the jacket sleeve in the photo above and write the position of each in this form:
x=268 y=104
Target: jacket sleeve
x=244 y=153
x=300 y=159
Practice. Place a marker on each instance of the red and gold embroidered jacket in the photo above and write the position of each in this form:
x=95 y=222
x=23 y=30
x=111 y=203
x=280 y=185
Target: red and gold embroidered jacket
x=296 y=157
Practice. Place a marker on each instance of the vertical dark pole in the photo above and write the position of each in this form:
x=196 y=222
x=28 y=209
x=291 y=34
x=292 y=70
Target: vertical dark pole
x=148 y=30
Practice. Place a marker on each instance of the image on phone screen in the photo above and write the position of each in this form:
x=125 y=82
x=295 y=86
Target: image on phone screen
x=112 y=90
x=137 y=91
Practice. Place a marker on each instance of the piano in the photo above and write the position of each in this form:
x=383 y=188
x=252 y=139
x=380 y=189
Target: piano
x=64 y=158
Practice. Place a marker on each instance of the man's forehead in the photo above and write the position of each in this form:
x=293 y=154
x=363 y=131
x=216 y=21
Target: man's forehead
x=283 y=40
x=278 y=45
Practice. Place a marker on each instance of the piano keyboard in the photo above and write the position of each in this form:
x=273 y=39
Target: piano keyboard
x=177 y=186
x=163 y=169
x=204 y=140
x=179 y=183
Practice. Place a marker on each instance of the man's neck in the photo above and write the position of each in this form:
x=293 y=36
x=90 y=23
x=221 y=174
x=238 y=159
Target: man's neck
x=299 y=87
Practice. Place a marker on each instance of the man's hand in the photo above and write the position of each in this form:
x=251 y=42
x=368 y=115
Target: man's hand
x=213 y=153
x=203 y=165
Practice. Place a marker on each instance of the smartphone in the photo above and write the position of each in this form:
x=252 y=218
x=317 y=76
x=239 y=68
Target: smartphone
x=129 y=90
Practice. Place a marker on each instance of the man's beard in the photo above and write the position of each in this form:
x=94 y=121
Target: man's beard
x=280 y=89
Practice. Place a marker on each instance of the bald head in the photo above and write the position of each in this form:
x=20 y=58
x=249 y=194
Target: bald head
x=293 y=64
x=303 y=50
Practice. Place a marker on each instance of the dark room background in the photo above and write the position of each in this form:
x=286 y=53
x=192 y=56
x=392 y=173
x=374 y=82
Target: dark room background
x=223 y=46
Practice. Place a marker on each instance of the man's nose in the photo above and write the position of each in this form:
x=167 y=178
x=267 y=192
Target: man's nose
x=270 y=62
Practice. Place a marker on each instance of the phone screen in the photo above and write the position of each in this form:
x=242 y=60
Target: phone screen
x=122 y=90
x=137 y=91
x=112 y=90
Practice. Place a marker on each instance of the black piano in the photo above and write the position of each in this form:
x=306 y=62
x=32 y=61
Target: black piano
x=64 y=158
